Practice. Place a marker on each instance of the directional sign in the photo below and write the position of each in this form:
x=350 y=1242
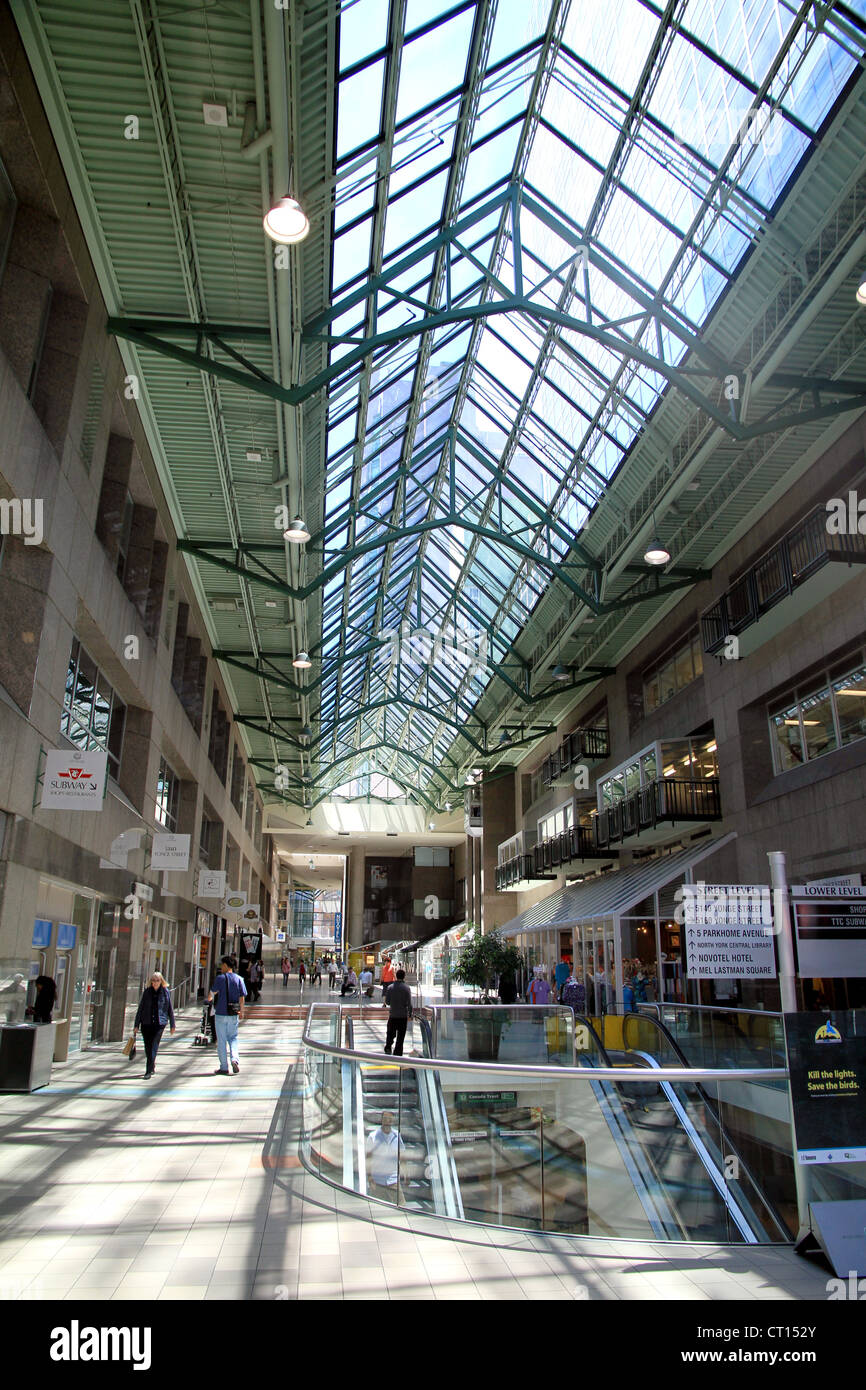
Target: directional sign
x=729 y=931
x=730 y=952
x=831 y=930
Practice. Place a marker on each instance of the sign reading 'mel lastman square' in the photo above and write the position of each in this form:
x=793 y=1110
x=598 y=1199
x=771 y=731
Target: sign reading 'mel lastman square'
x=827 y=1065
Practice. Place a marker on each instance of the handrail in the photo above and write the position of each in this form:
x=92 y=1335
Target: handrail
x=174 y=991
x=552 y=1073
x=707 y=1008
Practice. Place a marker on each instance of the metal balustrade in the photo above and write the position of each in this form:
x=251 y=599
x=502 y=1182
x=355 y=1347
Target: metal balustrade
x=579 y=744
x=568 y=846
x=807 y=547
x=668 y=799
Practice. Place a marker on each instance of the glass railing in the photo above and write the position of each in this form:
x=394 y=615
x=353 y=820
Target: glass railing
x=540 y=1034
x=723 y=1037
x=585 y=1149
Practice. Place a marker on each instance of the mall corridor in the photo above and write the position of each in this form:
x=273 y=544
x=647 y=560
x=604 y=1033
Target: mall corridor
x=190 y=1187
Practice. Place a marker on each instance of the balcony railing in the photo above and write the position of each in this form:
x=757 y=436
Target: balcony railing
x=669 y=799
x=548 y=855
x=579 y=744
x=805 y=549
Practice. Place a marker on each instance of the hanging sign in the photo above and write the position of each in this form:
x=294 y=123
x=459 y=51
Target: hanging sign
x=211 y=883
x=74 y=781
x=67 y=933
x=729 y=931
x=235 y=901
x=170 y=852
x=830 y=920
x=827 y=1067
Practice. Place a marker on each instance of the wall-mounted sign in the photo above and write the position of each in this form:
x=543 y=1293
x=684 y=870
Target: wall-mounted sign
x=170 y=852
x=490 y=1100
x=143 y=891
x=280 y=936
x=830 y=919
x=211 y=883
x=827 y=1067
x=42 y=932
x=74 y=781
x=67 y=934
x=338 y=931
x=202 y=952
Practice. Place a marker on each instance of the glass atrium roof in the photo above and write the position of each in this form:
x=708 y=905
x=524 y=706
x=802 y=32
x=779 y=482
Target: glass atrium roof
x=662 y=139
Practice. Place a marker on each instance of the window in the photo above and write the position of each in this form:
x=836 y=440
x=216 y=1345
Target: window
x=210 y=840
x=237 y=788
x=93 y=716
x=167 y=796
x=820 y=718
x=123 y=536
x=558 y=821
x=430 y=856
x=672 y=674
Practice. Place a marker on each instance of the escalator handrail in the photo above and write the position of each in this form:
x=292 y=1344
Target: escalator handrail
x=437 y=1133
x=356 y=1111
x=711 y=1103
x=703 y=1153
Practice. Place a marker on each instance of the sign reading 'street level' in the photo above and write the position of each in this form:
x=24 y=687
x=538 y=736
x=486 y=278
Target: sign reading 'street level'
x=74 y=781
x=729 y=931
x=831 y=930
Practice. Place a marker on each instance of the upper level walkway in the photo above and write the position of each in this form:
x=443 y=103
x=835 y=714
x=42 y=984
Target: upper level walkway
x=189 y=1186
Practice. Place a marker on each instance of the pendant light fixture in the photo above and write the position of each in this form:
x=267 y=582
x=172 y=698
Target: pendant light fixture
x=286 y=223
x=656 y=553
x=302 y=661
x=297 y=532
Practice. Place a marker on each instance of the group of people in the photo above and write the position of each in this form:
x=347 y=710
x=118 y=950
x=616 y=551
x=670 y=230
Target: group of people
x=314 y=974
x=570 y=987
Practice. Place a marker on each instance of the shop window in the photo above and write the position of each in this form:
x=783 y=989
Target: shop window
x=167 y=796
x=93 y=716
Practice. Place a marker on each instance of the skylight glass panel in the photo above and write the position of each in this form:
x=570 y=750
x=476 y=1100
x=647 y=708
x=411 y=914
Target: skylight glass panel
x=490 y=163
x=363 y=30
x=359 y=108
x=352 y=252
x=414 y=159
x=616 y=39
x=433 y=64
x=414 y=213
x=517 y=24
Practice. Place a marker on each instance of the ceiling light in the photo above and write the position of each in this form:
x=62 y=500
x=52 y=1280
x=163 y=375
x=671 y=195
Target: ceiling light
x=431 y=825
x=477 y=771
x=656 y=553
x=254 y=456
x=309 y=820
x=447 y=805
x=861 y=290
x=287 y=222
x=302 y=661
x=297 y=532
x=270 y=603
x=306 y=734
x=810 y=723
x=560 y=672
x=861 y=693
x=504 y=738
x=711 y=747
x=670 y=771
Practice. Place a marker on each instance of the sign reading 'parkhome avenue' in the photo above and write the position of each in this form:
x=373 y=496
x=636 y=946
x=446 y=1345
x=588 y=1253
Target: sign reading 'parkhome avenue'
x=729 y=931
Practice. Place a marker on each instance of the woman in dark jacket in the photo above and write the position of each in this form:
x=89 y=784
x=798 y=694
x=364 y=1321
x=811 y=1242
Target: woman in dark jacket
x=154 y=1012
x=46 y=994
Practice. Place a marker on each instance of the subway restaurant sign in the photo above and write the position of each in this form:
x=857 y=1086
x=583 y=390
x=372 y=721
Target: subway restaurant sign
x=74 y=781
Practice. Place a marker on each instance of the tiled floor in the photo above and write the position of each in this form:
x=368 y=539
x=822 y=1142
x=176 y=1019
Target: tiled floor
x=189 y=1187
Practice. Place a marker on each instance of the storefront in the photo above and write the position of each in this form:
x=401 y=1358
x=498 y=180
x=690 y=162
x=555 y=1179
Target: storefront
x=70 y=922
x=434 y=962
x=619 y=927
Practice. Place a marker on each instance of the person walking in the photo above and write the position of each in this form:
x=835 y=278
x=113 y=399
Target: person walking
x=389 y=975
x=228 y=995
x=399 y=1008
x=257 y=976
x=302 y=974
x=384 y=1146
x=332 y=973
x=152 y=1015
x=286 y=967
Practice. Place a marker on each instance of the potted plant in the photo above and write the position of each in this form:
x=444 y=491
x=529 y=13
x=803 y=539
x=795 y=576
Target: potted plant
x=482 y=962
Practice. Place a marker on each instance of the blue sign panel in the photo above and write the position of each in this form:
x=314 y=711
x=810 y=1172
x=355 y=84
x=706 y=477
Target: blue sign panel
x=66 y=936
x=42 y=932
x=338 y=930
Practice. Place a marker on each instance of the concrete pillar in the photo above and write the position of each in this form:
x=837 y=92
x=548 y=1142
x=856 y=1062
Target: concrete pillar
x=139 y=556
x=137 y=779
x=498 y=818
x=353 y=934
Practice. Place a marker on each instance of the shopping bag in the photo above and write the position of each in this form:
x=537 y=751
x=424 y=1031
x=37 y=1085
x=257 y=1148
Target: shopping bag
x=129 y=1048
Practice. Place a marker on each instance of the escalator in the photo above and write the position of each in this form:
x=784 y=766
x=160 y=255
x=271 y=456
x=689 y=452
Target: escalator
x=414 y=1099
x=717 y=1183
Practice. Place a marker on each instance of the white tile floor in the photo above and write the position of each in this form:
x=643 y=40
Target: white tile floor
x=113 y=1189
